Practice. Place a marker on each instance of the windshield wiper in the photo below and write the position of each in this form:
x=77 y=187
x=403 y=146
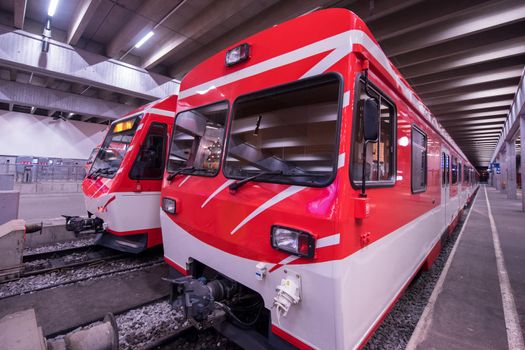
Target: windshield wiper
x=234 y=186
x=100 y=171
x=303 y=175
x=180 y=171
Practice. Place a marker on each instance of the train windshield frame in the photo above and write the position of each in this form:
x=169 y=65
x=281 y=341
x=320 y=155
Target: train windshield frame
x=287 y=134
x=115 y=146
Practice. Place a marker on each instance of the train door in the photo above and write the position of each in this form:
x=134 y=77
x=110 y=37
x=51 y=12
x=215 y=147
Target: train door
x=445 y=185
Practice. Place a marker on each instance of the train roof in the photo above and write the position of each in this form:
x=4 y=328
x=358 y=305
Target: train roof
x=301 y=38
x=167 y=104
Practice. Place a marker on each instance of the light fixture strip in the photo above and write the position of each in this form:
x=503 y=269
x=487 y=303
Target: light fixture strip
x=52 y=8
x=144 y=39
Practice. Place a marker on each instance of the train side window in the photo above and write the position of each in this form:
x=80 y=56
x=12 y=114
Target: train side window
x=445 y=169
x=197 y=140
x=443 y=172
x=460 y=174
x=419 y=160
x=454 y=170
x=380 y=166
x=149 y=164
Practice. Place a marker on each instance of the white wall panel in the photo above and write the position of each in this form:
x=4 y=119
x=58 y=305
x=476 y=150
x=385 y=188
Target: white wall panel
x=25 y=134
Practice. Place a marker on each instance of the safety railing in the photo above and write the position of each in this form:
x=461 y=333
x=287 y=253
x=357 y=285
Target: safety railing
x=39 y=173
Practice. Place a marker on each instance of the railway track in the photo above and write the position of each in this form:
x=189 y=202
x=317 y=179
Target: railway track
x=173 y=336
x=58 y=252
x=73 y=265
x=40 y=263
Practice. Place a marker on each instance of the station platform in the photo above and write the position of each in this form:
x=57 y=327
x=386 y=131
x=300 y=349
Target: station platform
x=479 y=300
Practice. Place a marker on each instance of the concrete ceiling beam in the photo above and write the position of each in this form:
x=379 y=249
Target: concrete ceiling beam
x=503 y=92
x=19 y=13
x=376 y=11
x=428 y=13
x=497 y=74
x=489 y=53
x=455 y=109
x=517 y=112
x=473 y=122
x=460 y=128
x=13 y=74
x=217 y=13
x=489 y=85
x=40 y=97
x=469 y=70
x=81 y=17
x=481 y=18
x=139 y=25
x=24 y=51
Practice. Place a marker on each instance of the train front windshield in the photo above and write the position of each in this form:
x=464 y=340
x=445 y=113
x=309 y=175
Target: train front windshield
x=287 y=134
x=114 y=147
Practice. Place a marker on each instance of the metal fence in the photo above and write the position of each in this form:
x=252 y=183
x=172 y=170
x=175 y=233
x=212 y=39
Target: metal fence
x=38 y=170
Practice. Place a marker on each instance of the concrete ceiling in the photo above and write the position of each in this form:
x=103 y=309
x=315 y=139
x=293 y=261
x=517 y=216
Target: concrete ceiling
x=464 y=58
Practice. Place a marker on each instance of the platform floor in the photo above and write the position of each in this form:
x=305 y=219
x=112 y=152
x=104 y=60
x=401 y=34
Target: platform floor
x=40 y=206
x=467 y=310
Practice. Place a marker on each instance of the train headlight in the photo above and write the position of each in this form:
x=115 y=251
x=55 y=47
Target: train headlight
x=237 y=54
x=169 y=205
x=293 y=241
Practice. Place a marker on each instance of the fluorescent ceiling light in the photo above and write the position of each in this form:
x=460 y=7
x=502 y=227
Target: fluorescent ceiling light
x=144 y=39
x=52 y=8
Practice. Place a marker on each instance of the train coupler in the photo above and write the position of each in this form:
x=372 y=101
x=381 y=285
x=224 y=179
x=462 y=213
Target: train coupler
x=199 y=299
x=78 y=224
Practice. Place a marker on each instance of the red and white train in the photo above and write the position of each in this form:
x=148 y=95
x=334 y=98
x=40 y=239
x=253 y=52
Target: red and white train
x=122 y=187
x=308 y=184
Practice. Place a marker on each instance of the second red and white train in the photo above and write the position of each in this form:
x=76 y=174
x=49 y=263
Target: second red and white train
x=122 y=186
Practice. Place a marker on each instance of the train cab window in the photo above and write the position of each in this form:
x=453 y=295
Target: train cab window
x=419 y=160
x=114 y=147
x=380 y=156
x=149 y=164
x=198 y=139
x=454 y=170
x=287 y=134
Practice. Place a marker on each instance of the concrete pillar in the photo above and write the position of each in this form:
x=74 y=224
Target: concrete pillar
x=498 y=176
x=511 y=169
x=522 y=136
x=503 y=173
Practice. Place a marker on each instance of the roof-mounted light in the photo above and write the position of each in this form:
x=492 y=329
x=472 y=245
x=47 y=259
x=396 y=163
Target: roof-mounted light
x=238 y=54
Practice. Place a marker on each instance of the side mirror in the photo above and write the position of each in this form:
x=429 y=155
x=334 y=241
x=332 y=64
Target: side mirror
x=371 y=119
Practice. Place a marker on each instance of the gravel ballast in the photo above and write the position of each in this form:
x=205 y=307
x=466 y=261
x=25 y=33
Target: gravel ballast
x=81 y=242
x=144 y=325
x=56 y=278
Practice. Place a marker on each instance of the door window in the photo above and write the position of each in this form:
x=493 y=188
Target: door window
x=380 y=156
x=149 y=164
x=419 y=160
